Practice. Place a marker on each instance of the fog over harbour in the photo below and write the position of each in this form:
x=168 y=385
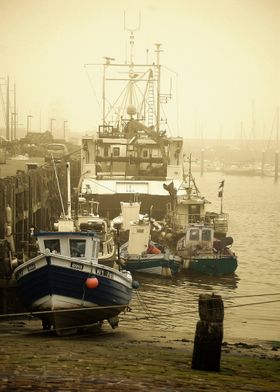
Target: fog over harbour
x=224 y=57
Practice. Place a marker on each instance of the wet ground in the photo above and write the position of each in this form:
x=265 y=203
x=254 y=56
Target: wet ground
x=126 y=359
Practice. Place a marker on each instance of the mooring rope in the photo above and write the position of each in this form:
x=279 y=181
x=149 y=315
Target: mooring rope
x=150 y=315
x=148 y=311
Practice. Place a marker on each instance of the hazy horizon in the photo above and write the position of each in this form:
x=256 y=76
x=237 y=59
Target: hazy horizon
x=225 y=53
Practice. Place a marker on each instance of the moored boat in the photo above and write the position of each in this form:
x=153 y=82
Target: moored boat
x=141 y=254
x=131 y=152
x=188 y=206
x=66 y=287
x=197 y=235
x=204 y=254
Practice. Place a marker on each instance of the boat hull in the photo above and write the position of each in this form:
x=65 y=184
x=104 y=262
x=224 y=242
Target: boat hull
x=55 y=287
x=212 y=266
x=153 y=265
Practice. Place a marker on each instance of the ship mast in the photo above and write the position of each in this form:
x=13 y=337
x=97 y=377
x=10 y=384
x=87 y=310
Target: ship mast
x=131 y=73
x=108 y=62
x=158 y=87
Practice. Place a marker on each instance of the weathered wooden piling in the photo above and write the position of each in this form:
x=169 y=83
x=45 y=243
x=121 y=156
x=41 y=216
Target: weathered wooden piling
x=209 y=333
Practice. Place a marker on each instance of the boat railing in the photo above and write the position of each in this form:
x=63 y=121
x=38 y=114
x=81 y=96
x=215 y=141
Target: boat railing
x=220 y=223
x=123 y=176
x=184 y=219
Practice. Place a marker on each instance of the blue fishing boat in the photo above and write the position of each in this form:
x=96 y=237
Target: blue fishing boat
x=66 y=287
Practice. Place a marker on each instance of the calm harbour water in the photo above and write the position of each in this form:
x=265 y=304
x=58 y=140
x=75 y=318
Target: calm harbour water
x=253 y=204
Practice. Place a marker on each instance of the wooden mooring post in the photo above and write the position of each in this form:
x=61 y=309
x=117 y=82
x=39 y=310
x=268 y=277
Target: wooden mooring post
x=209 y=333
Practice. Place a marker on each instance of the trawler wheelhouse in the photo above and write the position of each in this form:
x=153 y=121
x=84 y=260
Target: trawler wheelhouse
x=137 y=157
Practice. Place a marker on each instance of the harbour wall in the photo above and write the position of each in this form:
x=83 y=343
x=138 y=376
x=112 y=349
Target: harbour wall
x=28 y=199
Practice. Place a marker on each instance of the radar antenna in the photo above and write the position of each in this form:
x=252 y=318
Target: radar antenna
x=131 y=42
x=131 y=37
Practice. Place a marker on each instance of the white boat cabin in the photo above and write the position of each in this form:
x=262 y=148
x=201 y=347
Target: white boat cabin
x=139 y=236
x=196 y=238
x=189 y=211
x=71 y=244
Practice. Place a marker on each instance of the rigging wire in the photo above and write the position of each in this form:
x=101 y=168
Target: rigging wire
x=93 y=90
x=149 y=314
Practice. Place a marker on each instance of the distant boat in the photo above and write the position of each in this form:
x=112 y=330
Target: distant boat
x=243 y=169
x=66 y=287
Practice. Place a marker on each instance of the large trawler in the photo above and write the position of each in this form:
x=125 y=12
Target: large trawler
x=131 y=154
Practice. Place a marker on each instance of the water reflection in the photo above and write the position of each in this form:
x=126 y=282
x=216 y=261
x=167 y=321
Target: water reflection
x=202 y=282
x=254 y=225
x=212 y=282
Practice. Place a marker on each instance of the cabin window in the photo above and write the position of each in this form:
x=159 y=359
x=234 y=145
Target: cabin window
x=116 y=151
x=53 y=245
x=194 y=213
x=145 y=153
x=206 y=235
x=106 y=151
x=194 y=235
x=77 y=248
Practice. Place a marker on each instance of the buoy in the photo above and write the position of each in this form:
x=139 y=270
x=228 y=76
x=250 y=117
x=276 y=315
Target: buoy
x=135 y=284
x=92 y=283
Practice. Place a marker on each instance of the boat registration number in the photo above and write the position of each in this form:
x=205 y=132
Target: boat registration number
x=31 y=267
x=106 y=273
x=77 y=266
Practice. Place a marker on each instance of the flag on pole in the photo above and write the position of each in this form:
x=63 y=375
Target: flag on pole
x=221 y=188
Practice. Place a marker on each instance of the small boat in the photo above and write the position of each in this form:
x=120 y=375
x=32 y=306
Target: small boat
x=196 y=235
x=189 y=207
x=204 y=254
x=141 y=254
x=66 y=287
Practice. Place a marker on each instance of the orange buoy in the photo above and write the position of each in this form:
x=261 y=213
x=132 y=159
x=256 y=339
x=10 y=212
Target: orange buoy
x=92 y=283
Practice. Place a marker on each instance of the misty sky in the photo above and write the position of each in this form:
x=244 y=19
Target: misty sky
x=226 y=54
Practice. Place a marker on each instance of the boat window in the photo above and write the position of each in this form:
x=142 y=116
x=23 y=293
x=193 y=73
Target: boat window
x=194 y=234
x=194 y=213
x=116 y=151
x=145 y=153
x=206 y=235
x=53 y=245
x=77 y=248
